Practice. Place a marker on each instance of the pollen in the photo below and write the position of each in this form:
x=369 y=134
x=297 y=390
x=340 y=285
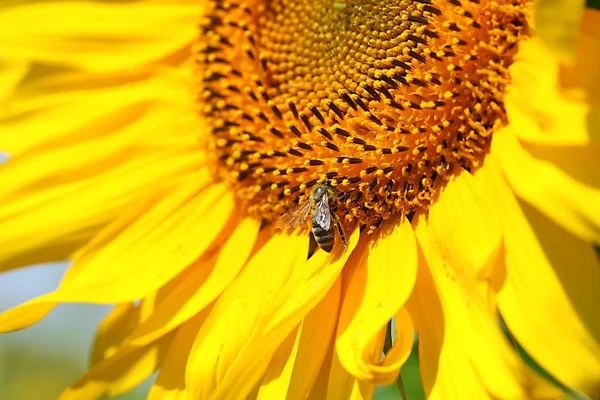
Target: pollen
x=384 y=99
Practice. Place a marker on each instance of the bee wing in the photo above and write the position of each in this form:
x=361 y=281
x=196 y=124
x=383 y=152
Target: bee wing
x=322 y=215
x=295 y=217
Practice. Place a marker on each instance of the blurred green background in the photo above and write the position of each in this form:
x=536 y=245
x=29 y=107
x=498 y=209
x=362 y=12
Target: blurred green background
x=39 y=362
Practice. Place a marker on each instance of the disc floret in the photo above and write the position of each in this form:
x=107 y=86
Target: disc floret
x=385 y=100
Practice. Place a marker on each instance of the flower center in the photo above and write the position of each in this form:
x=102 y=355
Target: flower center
x=384 y=99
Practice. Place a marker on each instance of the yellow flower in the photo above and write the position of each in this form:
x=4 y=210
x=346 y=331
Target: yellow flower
x=460 y=141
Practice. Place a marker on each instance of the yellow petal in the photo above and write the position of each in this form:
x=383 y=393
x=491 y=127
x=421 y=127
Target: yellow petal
x=306 y=287
x=579 y=163
x=463 y=352
x=113 y=330
x=315 y=341
x=174 y=233
x=278 y=373
x=583 y=73
x=340 y=384
x=64 y=110
x=581 y=79
x=206 y=281
x=144 y=256
x=378 y=288
x=550 y=294
x=170 y=382
x=50 y=206
x=27 y=314
x=119 y=373
x=537 y=108
x=97 y=36
x=572 y=204
x=446 y=372
x=404 y=339
x=238 y=310
x=116 y=367
x=464 y=226
x=48 y=224
x=319 y=389
x=343 y=386
x=309 y=283
x=557 y=23
x=362 y=391
x=11 y=73
x=279 y=287
x=333 y=381
x=292 y=375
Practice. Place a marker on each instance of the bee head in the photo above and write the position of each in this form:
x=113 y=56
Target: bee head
x=323 y=189
x=319 y=192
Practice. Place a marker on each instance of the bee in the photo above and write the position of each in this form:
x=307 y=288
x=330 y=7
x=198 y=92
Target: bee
x=319 y=202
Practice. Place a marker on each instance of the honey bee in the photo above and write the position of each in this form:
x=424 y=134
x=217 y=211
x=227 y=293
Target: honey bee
x=319 y=203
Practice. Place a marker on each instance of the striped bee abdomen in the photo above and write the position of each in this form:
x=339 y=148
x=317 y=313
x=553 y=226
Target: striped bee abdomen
x=324 y=237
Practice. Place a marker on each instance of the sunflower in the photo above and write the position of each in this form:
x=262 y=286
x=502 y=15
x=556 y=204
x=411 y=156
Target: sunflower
x=156 y=145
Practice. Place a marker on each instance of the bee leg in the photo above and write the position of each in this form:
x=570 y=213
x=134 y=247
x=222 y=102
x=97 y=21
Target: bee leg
x=340 y=230
x=312 y=246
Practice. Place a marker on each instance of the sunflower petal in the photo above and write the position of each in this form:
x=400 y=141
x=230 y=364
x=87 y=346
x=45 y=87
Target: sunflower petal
x=284 y=287
x=316 y=338
x=550 y=294
x=465 y=227
x=170 y=382
x=463 y=352
x=49 y=224
x=440 y=350
x=174 y=233
x=47 y=213
x=319 y=389
x=11 y=73
x=557 y=23
x=115 y=366
x=579 y=163
x=97 y=36
x=113 y=330
x=215 y=349
x=277 y=375
x=202 y=286
x=361 y=391
x=379 y=287
x=537 y=107
x=404 y=340
x=581 y=80
x=66 y=109
x=27 y=313
x=343 y=386
x=120 y=373
x=141 y=251
x=307 y=285
x=292 y=376
x=572 y=204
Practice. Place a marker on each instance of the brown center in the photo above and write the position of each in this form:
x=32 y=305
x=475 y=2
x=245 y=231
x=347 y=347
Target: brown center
x=385 y=99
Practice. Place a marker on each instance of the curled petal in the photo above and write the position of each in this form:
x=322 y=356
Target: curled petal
x=379 y=287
